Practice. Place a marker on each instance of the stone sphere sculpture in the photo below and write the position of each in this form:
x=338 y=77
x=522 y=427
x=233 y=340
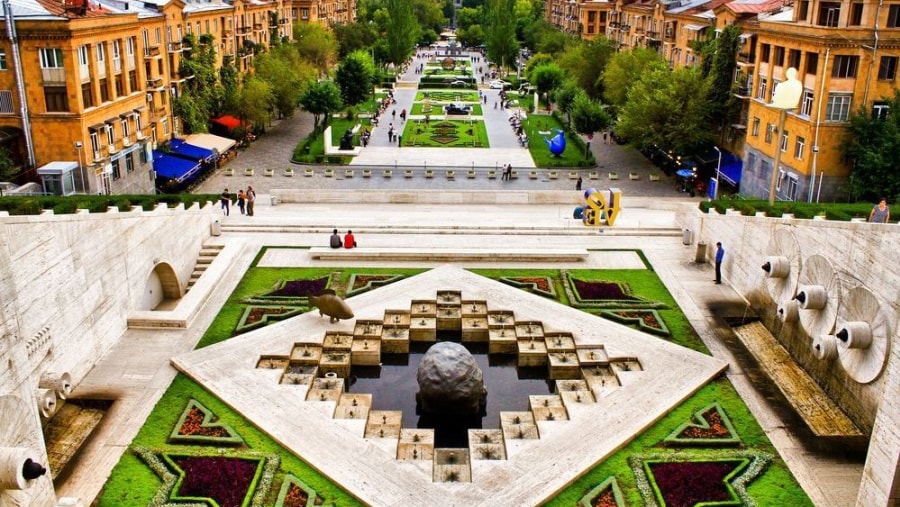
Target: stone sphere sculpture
x=450 y=382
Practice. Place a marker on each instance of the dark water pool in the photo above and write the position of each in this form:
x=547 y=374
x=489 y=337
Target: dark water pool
x=393 y=387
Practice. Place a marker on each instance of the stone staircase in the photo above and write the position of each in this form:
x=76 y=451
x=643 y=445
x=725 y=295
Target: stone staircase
x=287 y=228
x=207 y=255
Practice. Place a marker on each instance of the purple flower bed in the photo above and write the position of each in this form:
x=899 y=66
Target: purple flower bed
x=685 y=484
x=602 y=290
x=225 y=480
x=300 y=288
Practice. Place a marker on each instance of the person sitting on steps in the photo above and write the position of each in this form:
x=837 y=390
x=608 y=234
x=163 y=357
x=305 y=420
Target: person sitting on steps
x=335 y=240
x=349 y=240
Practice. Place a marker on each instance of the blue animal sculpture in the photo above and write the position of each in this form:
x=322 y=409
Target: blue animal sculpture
x=557 y=145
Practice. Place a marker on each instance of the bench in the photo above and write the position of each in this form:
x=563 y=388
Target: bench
x=823 y=417
x=450 y=254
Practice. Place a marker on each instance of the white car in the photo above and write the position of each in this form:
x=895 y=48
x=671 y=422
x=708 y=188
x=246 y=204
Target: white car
x=499 y=84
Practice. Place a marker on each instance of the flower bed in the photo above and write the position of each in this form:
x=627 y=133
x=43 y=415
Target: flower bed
x=542 y=285
x=198 y=425
x=646 y=320
x=299 y=288
x=362 y=283
x=710 y=426
x=603 y=294
x=605 y=494
x=258 y=315
x=294 y=493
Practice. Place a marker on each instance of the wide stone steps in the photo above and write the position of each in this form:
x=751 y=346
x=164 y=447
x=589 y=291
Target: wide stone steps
x=575 y=230
x=206 y=256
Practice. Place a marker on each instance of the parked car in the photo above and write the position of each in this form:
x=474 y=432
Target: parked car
x=458 y=83
x=455 y=108
x=499 y=84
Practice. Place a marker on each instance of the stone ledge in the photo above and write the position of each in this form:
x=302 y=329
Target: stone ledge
x=449 y=254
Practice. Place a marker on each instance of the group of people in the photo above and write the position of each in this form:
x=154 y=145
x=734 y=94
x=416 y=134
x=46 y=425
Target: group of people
x=507 y=172
x=245 y=201
x=515 y=121
x=348 y=242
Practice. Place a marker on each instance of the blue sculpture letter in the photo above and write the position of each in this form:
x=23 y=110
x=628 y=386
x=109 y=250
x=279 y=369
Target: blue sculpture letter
x=557 y=145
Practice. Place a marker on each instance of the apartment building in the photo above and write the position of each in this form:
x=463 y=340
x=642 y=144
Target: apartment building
x=585 y=18
x=98 y=77
x=323 y=11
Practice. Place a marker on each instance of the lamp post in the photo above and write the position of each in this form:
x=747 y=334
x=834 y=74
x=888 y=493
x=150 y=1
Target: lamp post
x=718 y=173
x=785 y=97
x=78 y=146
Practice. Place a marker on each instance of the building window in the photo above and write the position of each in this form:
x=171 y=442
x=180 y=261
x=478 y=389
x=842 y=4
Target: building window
x=761 y=87
x=784 y=140
x=812 y=62
x=138 y=124
x=779 y=56
x=829 y=13
x=755 y=128
x=132 y=80
x=165 y=125
x=6 y=101
x=793 y=187
x=120 y=85
x=856 y=13
x=116 y=171
x=111 y=137
x=104 y=90
x=887 y=68
x=57 y=99
x=794 y=58
x=893 y=20
x=84 y=55
x=304 y=14
x=51 y=58
x=802 y=10
x=87 y=95
x=799 y=146
x=806 y=102
x=95 y=145
x=838 y=107
x=844 y=66
x=764 y=52
x=769 y=129
x=129 y=45
x=101 y=52
x=3 y=59
x=129 y=163
x=126 y=131
x=880 y=110
x=117 y=50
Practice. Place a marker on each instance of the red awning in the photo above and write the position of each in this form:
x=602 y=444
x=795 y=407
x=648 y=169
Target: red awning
x=229 y=122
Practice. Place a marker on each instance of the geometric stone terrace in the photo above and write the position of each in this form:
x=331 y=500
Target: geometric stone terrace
x=381 y=464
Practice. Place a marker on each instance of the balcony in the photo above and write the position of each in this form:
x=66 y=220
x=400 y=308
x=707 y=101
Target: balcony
x=669 y=35
x=227 y=33
x=742 y=92
x=54 y=75
x=176 y=47
x=152 y=52
x=154 y=83
x=257 y=26
x=243 y=30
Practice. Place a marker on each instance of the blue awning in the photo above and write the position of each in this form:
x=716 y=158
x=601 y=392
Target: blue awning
x=181 y=148
x=174 y=167
x=732 y=173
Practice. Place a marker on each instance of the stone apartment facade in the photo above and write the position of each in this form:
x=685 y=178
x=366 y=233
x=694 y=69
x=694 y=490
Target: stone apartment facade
x=846 y=54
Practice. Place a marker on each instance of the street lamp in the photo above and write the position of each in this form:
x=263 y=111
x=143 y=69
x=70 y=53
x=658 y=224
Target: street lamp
x=78 y=146
x=718 y=173
x=785 y=97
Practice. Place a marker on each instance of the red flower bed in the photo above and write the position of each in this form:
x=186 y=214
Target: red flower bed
x=717 y=428
x=360 y=281
x=193 y=426
x=301 y=288
x=601 y=290
x=540 y=283
x=295 y=497
x=225 y=480
x=647 y=318
x=257 y=313
x=605 y=499
x=685 y=484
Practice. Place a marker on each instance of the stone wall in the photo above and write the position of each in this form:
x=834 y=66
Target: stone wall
x=861 y=254
x=69 y=281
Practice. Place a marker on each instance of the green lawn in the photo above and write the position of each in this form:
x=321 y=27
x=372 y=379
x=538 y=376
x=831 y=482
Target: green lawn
x=132 y=482
x=572 y=156
x=446 y=134
x=312 y=149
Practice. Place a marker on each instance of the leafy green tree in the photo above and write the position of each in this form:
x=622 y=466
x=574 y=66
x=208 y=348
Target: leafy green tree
x=667 y=108
x=353 y=36
x=500 y=32
x=194 y=115
x=872 y=149
x=355 y=76
x=8 y=168
x=722 y=55
x=584 y=61
x=401 y=30
x=470 y=37
x=321 y=98
x=429 y=14
x=588 y=116
x=286 y=75
x=468 y=16
x=317 y=45
x=554 y=42
x=536 y=61
x=546 y=78
x=624 y=69
x=199 y=97
x=564 y=97
x=228 y=77
x=256 y=101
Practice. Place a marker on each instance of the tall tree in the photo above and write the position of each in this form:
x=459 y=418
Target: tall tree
x=872 y=149
x=286 y=75
x=722 y=53
x=500 y=32
x=584 y=61
x=316 y=44
x=355 y=76
x=321 y=99
x=624 y=69
x=669 y=109
x=546 y=78
x=256 y=101
x=401 y=30
x=353 y=36
x=564 y=97
x=588 y=116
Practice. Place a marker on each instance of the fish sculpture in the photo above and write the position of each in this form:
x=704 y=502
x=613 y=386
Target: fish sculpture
x=557 y=145
x=330 y=304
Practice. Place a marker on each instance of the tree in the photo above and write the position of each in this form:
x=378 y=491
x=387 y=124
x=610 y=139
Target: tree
x=500 y=32
x=429 y=14
x=321 y=98
x=317 y=45
x=564 y=97
x=669 y=109
x=467 y=16
x=401 y=30
x=7 y=166
x=286 y=75
x=535 y=61
x=624 y=69
x=355 y=76
x=353 y=36
x=256 y=101
x=722 y=53
x=546 y=78
x=470 y=37
x=872 y=149
x=584 y=61
x=588 y=116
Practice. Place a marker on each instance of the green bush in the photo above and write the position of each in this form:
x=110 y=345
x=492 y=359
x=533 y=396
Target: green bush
x=29 y=205
x=831 y=211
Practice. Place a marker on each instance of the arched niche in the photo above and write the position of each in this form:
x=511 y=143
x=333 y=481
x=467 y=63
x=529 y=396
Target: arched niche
x=162 y=285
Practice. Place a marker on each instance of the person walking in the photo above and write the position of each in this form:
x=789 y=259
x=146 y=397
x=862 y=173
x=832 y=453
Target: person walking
x=251 y=200
x=881 y=213
x=335 y=240
x=226 y=201
x=242 y=199
x=720 y=254
x=349 y=240
x=578 y=183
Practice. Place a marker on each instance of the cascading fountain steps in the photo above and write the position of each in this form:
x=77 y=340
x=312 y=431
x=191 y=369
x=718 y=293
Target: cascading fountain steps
x=782 y=266
x=21 y=466
x=613 y=377
x=818 y=295
x=863 y=334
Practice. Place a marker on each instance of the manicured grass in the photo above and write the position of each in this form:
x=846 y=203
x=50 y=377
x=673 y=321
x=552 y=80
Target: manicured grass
x=447 y=96
x=418 y=108
x=312 y=149
x=572 y=156
x=454 y=133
